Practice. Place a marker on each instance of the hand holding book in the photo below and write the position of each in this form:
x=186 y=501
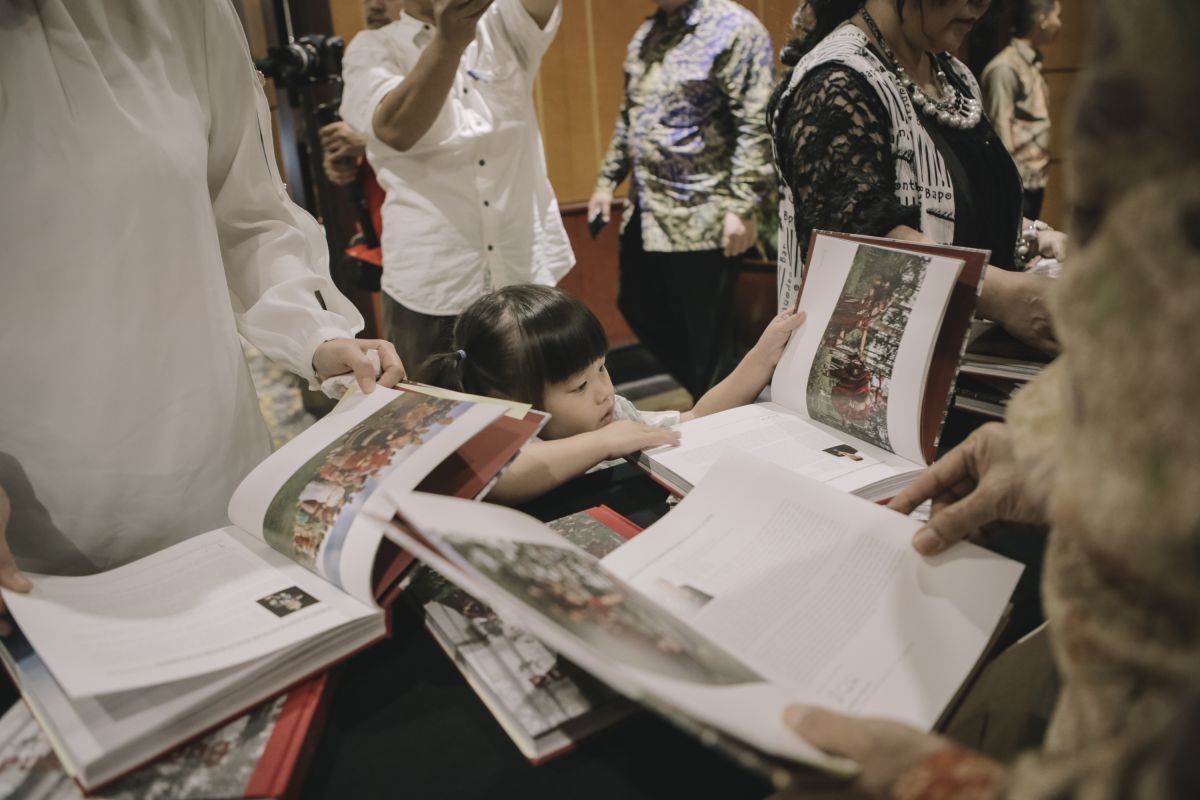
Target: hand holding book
x=974 y=484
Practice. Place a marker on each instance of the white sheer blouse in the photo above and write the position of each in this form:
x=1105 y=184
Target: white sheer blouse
x=143 y=224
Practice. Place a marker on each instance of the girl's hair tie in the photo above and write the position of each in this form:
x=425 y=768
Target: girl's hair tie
x=462 y=355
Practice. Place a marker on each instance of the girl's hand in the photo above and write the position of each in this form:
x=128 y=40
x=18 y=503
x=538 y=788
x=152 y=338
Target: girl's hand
x=624 y=437
x=769 y=348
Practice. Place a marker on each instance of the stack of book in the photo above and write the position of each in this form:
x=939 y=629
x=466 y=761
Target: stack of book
x=994 y=366
x=121 y=667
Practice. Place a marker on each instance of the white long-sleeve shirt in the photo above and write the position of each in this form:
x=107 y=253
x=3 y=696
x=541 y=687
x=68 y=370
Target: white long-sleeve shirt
x=143 y=224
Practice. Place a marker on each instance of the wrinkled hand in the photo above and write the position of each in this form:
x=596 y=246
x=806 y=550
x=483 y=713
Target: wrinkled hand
x=884 y=750
x=456 y=20
x=1017 y=301
x=975 y=483
x=624 y=437
x=738 y=235
x=1052 y=244
x=10 y=575
x=339 y=356
x=769 y=347
x=602 y=202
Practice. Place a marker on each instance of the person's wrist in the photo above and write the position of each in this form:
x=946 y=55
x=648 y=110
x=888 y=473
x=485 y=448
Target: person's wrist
x=993 y=296
x=446 y=44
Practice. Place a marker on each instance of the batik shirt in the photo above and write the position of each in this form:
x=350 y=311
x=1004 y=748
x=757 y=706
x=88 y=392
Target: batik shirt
x=692 y=129
x=1018 y=104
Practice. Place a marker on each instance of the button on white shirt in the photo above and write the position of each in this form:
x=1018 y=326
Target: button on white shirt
x=144 y=226
x=469 y=207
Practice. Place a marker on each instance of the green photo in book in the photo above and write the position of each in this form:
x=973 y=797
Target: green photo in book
x=851 y=375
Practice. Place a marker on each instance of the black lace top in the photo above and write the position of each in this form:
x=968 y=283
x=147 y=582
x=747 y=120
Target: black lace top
x=833 y=142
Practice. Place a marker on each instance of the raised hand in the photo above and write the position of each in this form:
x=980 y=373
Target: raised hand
x=456 y=19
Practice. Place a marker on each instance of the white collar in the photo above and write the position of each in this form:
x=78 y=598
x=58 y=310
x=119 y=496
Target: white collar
x=421 y=33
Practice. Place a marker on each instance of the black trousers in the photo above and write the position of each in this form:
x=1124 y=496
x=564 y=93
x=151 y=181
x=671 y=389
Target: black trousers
x=680 y=306
x=416 y=336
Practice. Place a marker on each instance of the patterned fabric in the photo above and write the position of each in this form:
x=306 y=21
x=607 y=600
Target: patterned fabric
x=950 y=774
x=692 y=128
x=854 y=155
x=1018 y=103
x=1108 y=434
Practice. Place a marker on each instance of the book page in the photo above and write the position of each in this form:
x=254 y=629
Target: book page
x=821 y=591
x=775 y=434
x=214 y=601
x=306 y=499
x=859 y=363
x=564 y=596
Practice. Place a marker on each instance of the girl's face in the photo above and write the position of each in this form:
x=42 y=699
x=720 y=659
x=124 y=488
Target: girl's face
x=581 y=403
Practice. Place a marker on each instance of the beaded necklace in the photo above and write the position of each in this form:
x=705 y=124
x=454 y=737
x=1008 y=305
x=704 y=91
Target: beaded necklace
x=954 y=109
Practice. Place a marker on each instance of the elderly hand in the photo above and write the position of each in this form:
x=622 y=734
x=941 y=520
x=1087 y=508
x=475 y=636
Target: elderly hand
x=1017 y=301
x=10 y=576
x=738 y=235
x=884 y=750
x=1052 y=244
x=975 y=483
x=340 y=356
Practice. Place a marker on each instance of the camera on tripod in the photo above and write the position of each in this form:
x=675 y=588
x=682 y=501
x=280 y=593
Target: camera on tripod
x=305 y=61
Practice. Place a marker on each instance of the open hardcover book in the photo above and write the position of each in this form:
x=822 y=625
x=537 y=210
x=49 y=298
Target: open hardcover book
x=860 y=394
x=544 y=703
x=262 y=754
x=762 y=588
x=126 y=664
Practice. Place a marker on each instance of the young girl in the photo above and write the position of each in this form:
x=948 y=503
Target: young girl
x=540 y=345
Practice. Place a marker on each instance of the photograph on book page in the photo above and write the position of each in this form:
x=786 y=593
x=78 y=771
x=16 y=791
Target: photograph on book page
x=565 y=598
x=308 y=499
x=860 y=363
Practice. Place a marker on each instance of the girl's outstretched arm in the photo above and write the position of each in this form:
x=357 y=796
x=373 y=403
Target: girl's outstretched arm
x=755 y=370
x=542 y=466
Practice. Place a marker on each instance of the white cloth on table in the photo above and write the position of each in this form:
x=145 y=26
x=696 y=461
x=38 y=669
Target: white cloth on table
x=144 y=225
x=469 y=208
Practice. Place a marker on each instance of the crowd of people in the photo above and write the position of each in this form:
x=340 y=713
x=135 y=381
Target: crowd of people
x=128 y=412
